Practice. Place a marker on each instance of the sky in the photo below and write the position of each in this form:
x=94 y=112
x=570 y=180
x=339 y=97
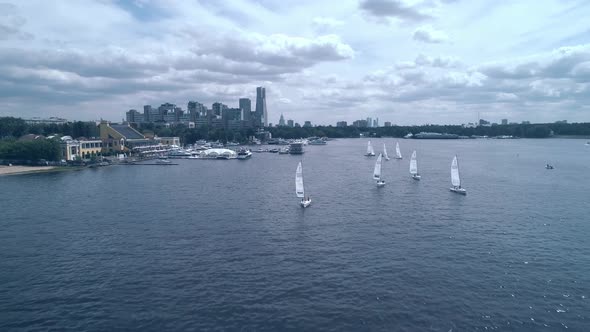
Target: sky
x=404 y=61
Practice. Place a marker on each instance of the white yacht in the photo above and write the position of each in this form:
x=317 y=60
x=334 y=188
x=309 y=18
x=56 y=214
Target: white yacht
x=414 y=167
x=377 y=172
x=455 y=179
x=299 y=189
x=370 y=151
x=244 y=154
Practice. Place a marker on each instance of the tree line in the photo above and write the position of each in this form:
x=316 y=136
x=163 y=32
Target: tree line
x=11 y=127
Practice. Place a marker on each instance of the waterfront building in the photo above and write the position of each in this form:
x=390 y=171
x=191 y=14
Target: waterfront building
x=69 y=149
x=90 y=148
x=261 y=112
x=341 y=124
x=120 y=138
x=290 y=123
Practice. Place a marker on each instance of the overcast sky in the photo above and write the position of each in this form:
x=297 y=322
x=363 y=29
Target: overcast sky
x=408 y=62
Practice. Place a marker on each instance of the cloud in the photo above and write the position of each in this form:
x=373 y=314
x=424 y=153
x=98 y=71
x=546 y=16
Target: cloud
x=323 y=24
x=427 y=34
x=11 y=23
x=564 y=62
x=384 y=9
x=439 y=61
x=505 y=96
x=334 y=64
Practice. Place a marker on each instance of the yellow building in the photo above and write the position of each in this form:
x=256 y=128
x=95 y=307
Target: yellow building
x=90 y=148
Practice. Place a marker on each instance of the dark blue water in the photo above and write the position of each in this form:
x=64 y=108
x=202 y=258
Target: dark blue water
x=223 y=245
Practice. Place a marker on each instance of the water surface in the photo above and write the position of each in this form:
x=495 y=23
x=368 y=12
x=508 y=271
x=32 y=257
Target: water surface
x=223 y=245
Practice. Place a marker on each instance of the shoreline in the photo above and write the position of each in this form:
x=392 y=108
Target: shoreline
x=20 y=170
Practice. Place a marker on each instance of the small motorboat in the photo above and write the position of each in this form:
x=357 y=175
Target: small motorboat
x=548 y=166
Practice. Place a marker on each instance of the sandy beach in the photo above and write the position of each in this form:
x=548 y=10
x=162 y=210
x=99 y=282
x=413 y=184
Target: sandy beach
x=13 y=170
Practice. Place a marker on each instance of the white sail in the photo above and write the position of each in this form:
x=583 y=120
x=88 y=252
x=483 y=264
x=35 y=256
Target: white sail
x=299 y=181
x=413 y=164
x=398 y=153
x=377 y=171
x=385 y=152
x=455 y=173
x=369 y=147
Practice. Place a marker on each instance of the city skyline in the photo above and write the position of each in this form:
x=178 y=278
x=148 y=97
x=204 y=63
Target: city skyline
x=405 y=62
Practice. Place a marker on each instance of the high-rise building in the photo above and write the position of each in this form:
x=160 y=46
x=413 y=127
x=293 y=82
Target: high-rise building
x=196 y=110
x=147 y=111
x=376 y=123
x=281 y=121
x=504 y=121
x=341 y=124
x=218 y=108
x=369 y=122
x=133 y=116
x=360 y=123
x=387 y=124
x=261 y=112
x=245 y=105
x=290 y=123
x=307 y=124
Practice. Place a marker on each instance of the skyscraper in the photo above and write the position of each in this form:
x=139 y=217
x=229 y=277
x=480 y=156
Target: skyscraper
x=282 y=121
x=245 y=105
x=261 y=113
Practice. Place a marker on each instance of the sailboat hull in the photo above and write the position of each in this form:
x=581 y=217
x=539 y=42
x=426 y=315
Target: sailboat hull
x=459 y=191
x=305 y=203
x=370 y=155
x=416 y=177
x=380 y=184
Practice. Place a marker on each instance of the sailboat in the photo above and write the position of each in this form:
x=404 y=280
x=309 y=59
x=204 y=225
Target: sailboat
x=305 y=201
x=370 y=151
x=398 y=154
x=385 y=152
x=455 y=180
x=377 y=172
x=414 y=167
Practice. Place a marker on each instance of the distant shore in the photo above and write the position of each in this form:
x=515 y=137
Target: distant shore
x=16 y=170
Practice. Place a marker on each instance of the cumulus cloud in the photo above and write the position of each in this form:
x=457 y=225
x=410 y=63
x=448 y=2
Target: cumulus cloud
x=397 y=9
x=428 y=34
